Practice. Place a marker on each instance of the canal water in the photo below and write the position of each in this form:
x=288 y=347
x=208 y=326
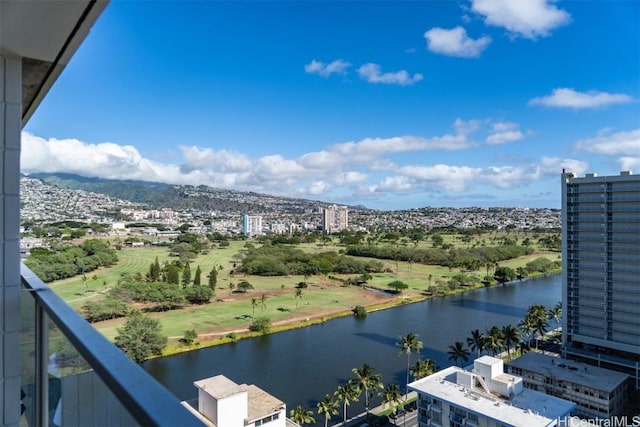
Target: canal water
x=302 y=365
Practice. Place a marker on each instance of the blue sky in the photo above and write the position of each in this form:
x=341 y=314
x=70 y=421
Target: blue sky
x=392 y=105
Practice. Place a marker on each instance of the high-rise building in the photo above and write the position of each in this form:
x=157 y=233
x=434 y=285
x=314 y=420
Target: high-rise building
x=251 y=225
x=335 y=219
x=601 y=270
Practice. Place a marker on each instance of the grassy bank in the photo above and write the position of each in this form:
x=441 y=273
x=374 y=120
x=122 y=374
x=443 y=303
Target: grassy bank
x=231 y=311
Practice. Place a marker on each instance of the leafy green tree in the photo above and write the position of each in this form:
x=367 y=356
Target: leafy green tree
x=196 y=277
x=110 y=308
x=154 y=271
x=172 y=274
x=186 y=275
x=244 y=286
x=213 y=278
x=301 y=416
x=345 y=394
x=504 y=274
x=398 y=285
x=141 y=337
x=359 y=311
x=190 y=337
x=409 y=344
x=391 y=396
x=458 y=352
x=368 y=380
x=262 y=325
x=198 y=294
x=436 y=240
x=423 y=368
x=329 y=407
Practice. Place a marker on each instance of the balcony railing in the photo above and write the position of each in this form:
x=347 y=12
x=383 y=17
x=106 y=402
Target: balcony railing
x=72 y=375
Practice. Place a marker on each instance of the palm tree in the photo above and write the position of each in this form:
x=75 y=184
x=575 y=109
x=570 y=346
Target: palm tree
x=408 y=344
x=328 y=407
x=423 y=368
x=458 y=352
x=367 y=379
x=254 y=304
x=511 y=336
x=476 y=342
x=391 y=396
x=555 y=312
x=537 y=318
x=263 y=302
x=493 y=339
x=301 y=416
x=350 y=392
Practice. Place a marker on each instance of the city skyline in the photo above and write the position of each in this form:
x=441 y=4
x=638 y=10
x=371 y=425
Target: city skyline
x=387 y=105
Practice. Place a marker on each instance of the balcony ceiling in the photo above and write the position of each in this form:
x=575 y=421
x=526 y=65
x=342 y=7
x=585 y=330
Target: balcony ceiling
x=45 y=34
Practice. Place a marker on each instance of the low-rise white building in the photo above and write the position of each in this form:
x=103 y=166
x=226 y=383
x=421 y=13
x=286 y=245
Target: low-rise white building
x=597 y=392
x=223 y=403
x=484 y=397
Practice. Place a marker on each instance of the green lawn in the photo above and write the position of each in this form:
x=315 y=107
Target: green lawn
x=234 y=311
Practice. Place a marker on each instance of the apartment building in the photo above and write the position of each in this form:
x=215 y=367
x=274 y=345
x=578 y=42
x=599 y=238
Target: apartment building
x=251 y=225
x=601 y=270
x=597 y=392
x=335 y=219
x=485 y=397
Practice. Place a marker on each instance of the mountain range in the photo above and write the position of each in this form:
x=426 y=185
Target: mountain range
x=183 y=197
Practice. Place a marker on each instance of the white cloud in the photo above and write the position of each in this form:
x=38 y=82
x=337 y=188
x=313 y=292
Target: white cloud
x=368 y=166
x=570 y=98
x=317 y=188
x=629 y=163
x=350 y=177
x=550 y=166
x=503 y=133
x=462 y=178
x=325 y=70
x=373 y=74
x=220 y=161
x=455 y=42
x=612 y=144
x=393 y=184
x=525 y=18
x=106 y=160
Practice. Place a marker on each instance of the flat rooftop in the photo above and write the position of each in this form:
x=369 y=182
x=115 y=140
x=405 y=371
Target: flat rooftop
x=260 y=403
x=570 y=370
x=530 y=408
